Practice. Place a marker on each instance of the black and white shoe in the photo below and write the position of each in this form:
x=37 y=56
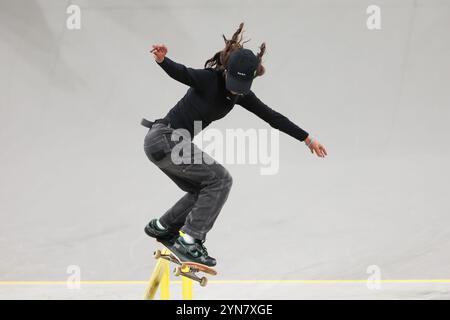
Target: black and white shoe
x=195 y=252
x=152 y=230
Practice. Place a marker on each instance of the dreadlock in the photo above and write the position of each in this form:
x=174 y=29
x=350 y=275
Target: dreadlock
x=219 y=60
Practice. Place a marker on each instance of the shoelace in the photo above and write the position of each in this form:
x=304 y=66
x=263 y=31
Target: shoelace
x=202 y=248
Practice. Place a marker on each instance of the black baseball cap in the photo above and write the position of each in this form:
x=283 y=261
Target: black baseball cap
x=241 y=70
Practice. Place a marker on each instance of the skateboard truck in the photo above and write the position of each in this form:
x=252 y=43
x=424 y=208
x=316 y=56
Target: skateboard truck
x=190 y=272
x=186 y=269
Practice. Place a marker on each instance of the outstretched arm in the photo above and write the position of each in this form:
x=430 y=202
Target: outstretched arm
x=278 y=121
x=196 y=78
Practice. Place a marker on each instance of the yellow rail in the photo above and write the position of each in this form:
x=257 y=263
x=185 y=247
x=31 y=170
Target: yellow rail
x=160 y=278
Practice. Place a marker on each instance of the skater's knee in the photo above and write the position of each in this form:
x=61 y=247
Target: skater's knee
x=220 y=177
x=226 y=179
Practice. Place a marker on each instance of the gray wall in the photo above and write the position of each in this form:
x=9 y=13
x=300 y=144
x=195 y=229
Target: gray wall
x=77 y=188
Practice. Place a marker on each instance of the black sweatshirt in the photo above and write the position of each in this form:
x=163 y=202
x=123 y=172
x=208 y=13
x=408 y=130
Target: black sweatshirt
x=208 y=100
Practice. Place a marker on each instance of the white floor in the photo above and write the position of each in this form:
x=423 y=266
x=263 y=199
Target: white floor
x=234 y=291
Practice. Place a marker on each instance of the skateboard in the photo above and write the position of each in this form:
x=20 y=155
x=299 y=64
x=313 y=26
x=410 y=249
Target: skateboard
x=185 y=268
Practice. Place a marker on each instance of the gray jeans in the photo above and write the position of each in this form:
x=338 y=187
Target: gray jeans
x=207 y=184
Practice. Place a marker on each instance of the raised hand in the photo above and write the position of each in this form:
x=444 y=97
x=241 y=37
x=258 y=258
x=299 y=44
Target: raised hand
x=159 y=52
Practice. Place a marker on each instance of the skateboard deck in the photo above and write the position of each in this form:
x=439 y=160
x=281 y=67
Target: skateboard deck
x=186 y=269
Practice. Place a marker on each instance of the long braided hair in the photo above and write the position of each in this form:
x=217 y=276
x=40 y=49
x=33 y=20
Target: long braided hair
x=219 y=60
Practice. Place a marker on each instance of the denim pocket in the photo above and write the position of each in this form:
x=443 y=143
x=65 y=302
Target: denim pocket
x=157 y=148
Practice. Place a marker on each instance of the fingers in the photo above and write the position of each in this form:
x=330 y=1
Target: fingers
x=155 y=49
x=159 y=48
x=159 y=51
x=320 y=151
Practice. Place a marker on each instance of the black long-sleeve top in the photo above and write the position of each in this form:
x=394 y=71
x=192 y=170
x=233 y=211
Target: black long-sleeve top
x=208 y=100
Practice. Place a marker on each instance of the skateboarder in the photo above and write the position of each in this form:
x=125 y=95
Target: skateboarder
x=214 y=90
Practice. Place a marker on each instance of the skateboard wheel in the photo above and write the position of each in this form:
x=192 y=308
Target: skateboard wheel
x=203 y=281
x=157 y=254
x=177 y=271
